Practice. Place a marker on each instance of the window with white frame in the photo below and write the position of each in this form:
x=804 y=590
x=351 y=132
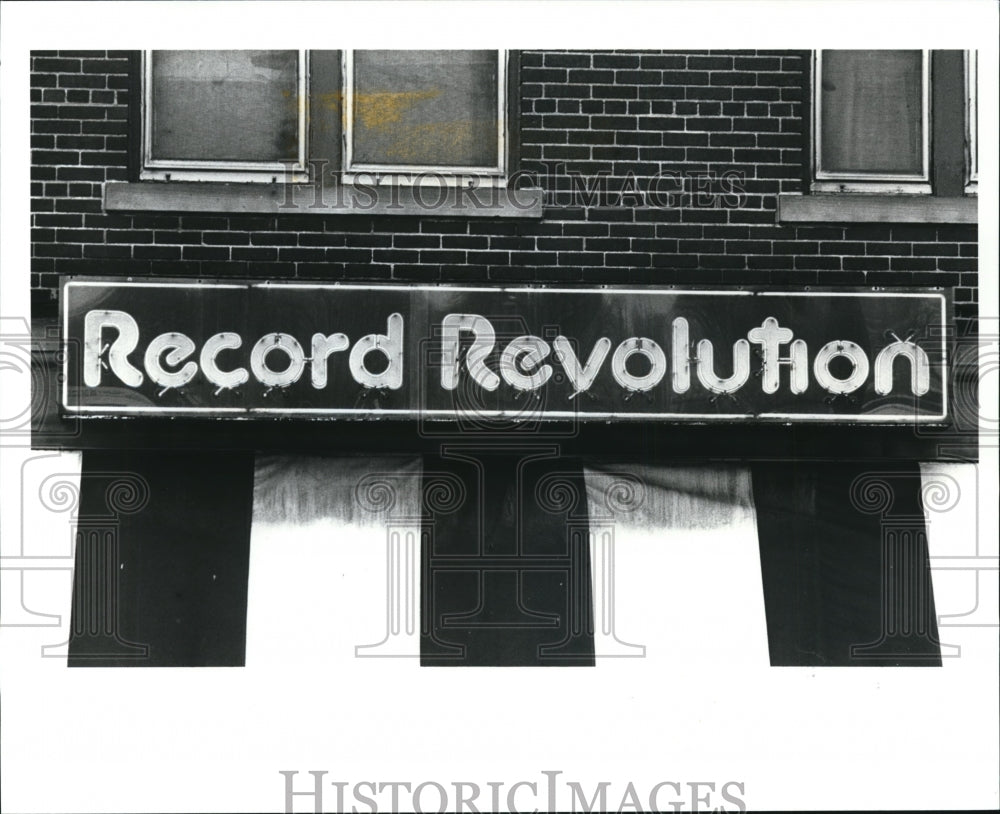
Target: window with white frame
x=225 y=115
x=373 y=116
x=425 y=116
x=971 y=122
x=871 y=121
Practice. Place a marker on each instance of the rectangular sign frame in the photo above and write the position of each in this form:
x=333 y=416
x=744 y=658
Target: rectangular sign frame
x=937 y=301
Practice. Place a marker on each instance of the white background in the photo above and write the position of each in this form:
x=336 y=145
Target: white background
x=703 y=706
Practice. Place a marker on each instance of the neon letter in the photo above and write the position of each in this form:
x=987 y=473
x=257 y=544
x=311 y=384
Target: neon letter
x=706 y=367
x=829 y=352
x=290 y=346
x=649 y=349
x=532 y=350
x=770 y=336
x=322 y=347
x=222 y=379
x=581 y=378
x=179 y=347
x=128 y=337
x=920 y=373
x=452 y=325
x=679 y=351
x=390 y=344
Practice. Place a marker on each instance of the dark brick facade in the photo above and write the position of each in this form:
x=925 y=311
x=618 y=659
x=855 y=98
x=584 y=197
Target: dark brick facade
x=722 y=132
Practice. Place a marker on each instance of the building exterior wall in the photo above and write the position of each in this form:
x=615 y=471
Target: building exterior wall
x=606 y=135
x=656 y=169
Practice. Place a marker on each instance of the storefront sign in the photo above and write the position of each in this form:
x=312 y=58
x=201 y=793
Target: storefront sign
x=349 y=351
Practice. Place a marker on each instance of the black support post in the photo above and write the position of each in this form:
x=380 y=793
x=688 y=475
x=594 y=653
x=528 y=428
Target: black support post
x=505 y=559
x=846 y=573
x=162 y=559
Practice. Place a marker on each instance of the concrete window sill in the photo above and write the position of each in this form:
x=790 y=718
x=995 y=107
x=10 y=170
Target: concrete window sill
x=861 y=208
x=277 y=199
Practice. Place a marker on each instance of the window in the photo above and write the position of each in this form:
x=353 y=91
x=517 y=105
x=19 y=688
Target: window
x=871 y=121
x=318 y=131
x=892 y=139
x=425 y=116
x=224 y=115
x=386 y=116
x=971 y=122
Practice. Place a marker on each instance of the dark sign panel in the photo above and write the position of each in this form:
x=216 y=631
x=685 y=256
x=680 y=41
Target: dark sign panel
x=347 y=351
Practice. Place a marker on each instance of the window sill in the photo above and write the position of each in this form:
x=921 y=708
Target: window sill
x=303 y=199
x=858 y=208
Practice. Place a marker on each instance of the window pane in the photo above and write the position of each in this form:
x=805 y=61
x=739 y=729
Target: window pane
x=972 y=80
x=872 y=108
x=434 y=108
x=225 y=105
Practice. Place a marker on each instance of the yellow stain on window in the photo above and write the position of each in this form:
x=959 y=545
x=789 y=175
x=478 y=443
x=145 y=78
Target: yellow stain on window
x=379 y=110
x=454 y=137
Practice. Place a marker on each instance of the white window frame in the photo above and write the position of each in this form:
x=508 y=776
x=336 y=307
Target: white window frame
x=971 y=123
x=220 y=170
x=423 y=174
x=871 y=182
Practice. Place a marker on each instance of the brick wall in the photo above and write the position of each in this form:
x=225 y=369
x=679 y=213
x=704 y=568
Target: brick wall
x=622 y=127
